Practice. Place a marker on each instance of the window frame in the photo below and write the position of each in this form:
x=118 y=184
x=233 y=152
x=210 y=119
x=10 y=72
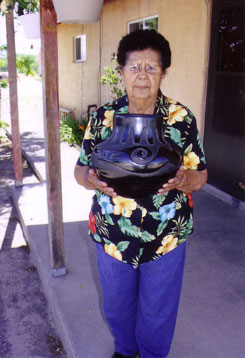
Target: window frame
x=83 y=48
x=143 y=19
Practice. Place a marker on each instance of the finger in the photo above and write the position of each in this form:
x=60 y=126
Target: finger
x=95 y=180
x=100 y=183
x=165 y=188
x=172 y=181
x=109 y=191
x=171 y=184
x=162 y=191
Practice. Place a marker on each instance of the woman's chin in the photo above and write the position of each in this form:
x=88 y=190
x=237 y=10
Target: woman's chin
x=142 y=93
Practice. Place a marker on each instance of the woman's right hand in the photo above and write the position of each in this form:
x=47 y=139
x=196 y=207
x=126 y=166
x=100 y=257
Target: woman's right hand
x=88 y=178
x=96 y=183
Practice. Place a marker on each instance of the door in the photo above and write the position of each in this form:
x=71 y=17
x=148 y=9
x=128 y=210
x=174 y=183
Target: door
x=224 y=135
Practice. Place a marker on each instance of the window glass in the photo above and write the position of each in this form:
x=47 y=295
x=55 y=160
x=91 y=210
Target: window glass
x=229 y=103
x=152 y=23
x=80 y=48
x=136 y=26
x=146 y=23
x=231 y=43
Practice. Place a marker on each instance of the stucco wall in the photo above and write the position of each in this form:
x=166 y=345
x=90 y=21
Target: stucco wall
x=78 y=80
x=185 y=23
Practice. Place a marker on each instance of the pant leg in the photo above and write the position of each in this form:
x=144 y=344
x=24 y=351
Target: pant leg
x=120 y=287
x=159 y=293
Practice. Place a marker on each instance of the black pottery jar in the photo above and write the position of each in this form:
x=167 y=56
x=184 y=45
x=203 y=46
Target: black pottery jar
x=136 y=160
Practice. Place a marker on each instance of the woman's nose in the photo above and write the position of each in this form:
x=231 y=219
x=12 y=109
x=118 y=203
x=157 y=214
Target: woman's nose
x=143 y=72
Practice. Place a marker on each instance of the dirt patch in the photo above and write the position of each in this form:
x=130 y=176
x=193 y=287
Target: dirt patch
x=26 y=324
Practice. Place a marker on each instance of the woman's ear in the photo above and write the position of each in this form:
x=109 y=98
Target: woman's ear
x=163 y=75
x=122 y=71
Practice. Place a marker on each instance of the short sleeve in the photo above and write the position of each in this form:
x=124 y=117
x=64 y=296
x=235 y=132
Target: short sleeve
x=194 y=157
x=87 y=144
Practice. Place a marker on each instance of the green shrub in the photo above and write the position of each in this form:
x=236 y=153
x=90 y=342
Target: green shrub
x=72 y=130
x=3 y=83
x=3 y=126
x=3 y=64
x=27 y=64
x=28 y=6
x=113 y=78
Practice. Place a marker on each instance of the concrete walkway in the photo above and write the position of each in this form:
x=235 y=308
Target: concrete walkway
x=211 y=319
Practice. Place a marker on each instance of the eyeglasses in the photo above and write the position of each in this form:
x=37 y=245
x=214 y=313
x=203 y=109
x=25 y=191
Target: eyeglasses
x=150 y=69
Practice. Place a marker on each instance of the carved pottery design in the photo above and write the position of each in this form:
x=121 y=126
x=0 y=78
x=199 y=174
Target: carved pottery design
x=136 y=159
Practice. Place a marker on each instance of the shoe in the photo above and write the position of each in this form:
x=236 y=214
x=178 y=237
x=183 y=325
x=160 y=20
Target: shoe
x=118 y=355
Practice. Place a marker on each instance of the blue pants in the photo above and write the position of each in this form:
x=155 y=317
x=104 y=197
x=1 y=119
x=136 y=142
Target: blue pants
x=141 y=304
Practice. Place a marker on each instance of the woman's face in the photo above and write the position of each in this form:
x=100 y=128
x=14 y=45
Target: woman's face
x=142 y=85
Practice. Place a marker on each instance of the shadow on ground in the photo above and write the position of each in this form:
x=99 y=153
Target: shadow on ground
x=33 y=146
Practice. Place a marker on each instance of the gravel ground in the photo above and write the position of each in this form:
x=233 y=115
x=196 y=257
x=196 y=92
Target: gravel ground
x=26 y=325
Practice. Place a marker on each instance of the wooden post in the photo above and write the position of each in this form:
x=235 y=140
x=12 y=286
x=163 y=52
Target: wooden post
x=49 y=53
x=13 y=98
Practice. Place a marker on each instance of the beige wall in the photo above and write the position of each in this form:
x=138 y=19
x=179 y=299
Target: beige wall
x=78 y=80
x=185 y=23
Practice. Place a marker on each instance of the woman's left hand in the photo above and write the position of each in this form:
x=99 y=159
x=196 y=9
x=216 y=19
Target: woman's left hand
x=186 y=181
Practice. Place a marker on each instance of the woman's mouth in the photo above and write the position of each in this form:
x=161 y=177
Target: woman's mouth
x=141 y=87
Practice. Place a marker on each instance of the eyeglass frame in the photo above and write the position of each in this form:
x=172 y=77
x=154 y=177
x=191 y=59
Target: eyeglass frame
x=139 y=68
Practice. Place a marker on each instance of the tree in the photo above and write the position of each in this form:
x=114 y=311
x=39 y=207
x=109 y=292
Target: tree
x=21 y=6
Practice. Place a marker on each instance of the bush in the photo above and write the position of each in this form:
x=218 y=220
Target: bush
x=112 y=77
x=3 y=64
x=3 y=84
x=72 y=130
x=27 y=64
x=3 y=126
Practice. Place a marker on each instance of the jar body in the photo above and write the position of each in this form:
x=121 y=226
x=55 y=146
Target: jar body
x=136 y=160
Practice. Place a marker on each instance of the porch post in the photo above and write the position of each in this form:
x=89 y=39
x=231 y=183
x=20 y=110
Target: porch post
x=52 y=138
x=13 y=98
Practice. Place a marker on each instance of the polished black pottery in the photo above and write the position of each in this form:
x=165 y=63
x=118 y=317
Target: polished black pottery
x=136 y=160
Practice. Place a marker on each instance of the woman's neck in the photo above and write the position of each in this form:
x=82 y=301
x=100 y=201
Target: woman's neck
x=141 y=107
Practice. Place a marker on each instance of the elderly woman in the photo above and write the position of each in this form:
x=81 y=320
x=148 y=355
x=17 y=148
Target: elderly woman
x=141 y=243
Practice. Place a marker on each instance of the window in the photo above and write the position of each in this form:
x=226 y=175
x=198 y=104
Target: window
x=231 y=44
x=80 y=48
x=146 y=23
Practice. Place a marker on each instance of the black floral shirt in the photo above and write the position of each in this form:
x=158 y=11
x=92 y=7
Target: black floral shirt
x=136 y=231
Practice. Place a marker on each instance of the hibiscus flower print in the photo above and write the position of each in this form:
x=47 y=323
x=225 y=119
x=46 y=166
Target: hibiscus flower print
x=108 y=121
x=167 y=212
x=124 y=206
x=168 y=243
x=91 y=223
x=113 y=251
x=144 y=212
x=191 y=161
x=190 y=200
x=170 y=100
x=87 y=132
x=176 y=114
x=105 y=204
